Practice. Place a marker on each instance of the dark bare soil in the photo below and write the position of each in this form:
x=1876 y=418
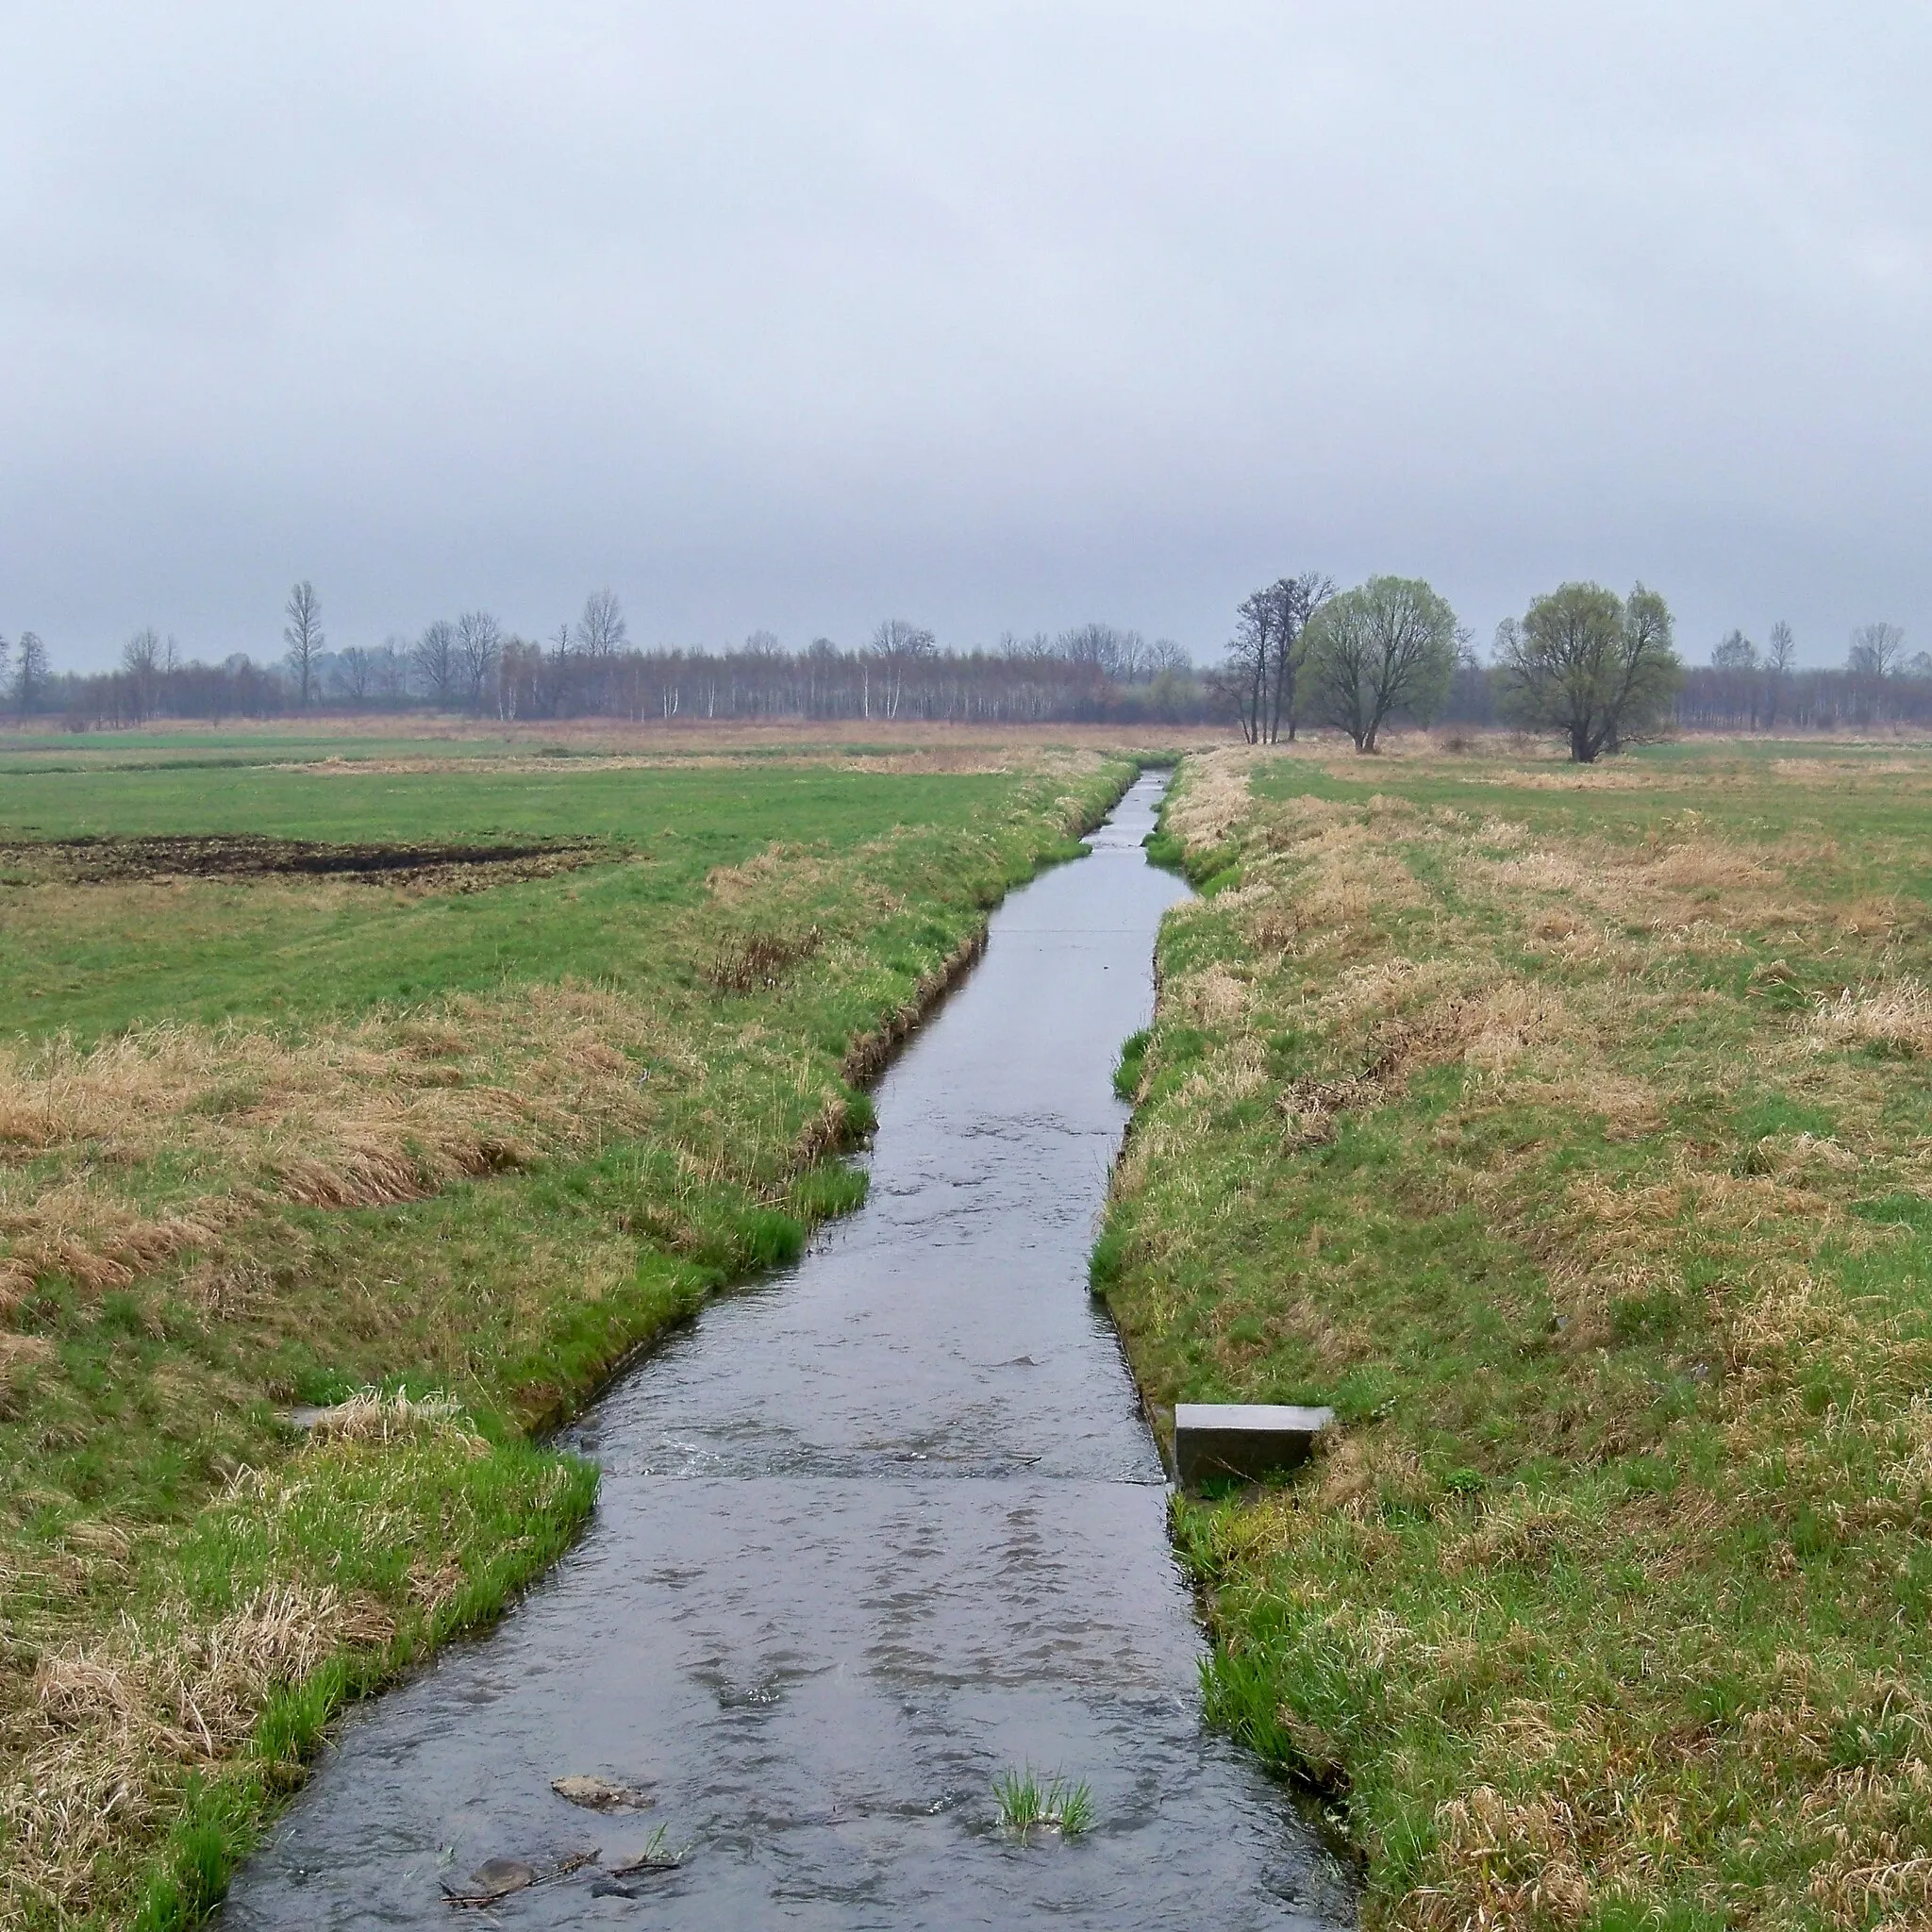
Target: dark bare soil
x=119 y=861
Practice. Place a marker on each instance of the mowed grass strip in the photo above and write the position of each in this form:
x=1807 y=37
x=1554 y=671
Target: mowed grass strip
x=268 y=1142
x=1568 y=1132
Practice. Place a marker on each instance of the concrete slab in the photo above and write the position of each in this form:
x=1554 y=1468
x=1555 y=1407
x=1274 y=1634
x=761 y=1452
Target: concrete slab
x=1242 y=1439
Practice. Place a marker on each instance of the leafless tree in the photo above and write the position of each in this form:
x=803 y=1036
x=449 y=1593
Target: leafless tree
x=302 y=636
x=556 y=672
x=1295 y=602
x=30 y=672
x=1780 y=660
x=824 y=662
x=1259 y=678
x=355 y=674
x=601 y=629
x=1120 y=654
x=1737 y=660
x=433 y=657
x=6 y=661
x=897 y=643
x=478 y=644
x=1876 y=649
x=1241 y=680
x=599 y=636
x=389 y=670
x=141 y=662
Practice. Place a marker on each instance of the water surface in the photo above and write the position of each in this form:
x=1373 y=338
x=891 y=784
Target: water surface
x=867 y=1535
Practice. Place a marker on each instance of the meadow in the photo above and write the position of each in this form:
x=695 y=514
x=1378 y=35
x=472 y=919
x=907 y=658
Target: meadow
x=362 y=1104
x=1566 y=1130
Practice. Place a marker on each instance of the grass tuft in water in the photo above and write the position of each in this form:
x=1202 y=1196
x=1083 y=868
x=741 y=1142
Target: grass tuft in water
x=1029 y=1802
x=658 y=1855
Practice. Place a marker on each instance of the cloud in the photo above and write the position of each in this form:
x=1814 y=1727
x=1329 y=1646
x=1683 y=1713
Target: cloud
x=991 y=314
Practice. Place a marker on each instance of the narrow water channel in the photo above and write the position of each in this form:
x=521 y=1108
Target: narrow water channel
x=867 y=1535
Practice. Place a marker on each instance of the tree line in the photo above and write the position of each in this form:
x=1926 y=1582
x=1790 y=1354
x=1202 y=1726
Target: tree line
x=1593 y=668
x=473 y=665
x=1749 y=688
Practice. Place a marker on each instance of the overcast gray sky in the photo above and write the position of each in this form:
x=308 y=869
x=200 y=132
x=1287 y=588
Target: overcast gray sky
x=990 y=315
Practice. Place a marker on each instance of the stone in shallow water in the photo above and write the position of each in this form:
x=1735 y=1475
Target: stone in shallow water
x=601 y=1794
x=494 y=1878
x=1242 y=1439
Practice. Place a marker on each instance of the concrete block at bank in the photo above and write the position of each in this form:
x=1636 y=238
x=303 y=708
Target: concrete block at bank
x=1246 y=1441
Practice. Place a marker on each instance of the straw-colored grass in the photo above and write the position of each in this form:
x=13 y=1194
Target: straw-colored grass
x=1569 y=1138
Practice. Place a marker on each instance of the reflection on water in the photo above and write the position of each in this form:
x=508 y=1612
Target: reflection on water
x=867 y=1535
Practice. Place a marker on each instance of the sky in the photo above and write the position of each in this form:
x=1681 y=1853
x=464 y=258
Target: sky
x=992 y=316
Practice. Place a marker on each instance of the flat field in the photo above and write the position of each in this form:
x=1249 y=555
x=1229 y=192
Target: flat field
x=1567 y=1131
x=448 y=1071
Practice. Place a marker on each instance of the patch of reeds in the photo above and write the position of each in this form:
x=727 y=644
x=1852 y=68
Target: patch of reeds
x=1029 y=1801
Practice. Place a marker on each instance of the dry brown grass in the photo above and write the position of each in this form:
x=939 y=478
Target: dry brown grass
x=96 y=1744
x=385 y=1111
x=1895 y=1018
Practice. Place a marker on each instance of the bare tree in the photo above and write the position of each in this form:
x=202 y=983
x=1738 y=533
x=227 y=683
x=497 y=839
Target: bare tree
x=897 y=644
x=1736 y=657
x=141 y=659
x=1875 y=651
x=1387 y=646
x=557 y=671
x=355 y=674
x=1780 y=660
x=1295 y=602
x=1258 y=677
x=1117 y=652
x=1241 y=680
x=823 y=661
x=599 y=636
x=302 y=636
x=6 y=661
x=601 y=629
x=479 y=643
x=30 y=672
x=433 y=659
x=388 y=670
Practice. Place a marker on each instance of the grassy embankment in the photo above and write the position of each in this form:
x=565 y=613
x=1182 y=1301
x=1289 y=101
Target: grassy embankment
x=466 y=1133
x=1567 y=1131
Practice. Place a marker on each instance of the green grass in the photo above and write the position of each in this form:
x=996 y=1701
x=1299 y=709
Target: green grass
x=1029 y=1801
x=1481 y=1112
x=210 y=950
x=264 y=1142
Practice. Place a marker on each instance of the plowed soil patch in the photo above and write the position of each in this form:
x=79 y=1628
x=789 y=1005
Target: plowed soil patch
x=114 y=861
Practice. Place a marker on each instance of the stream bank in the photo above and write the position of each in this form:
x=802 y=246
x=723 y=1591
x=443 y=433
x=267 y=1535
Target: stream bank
x=869 y=1535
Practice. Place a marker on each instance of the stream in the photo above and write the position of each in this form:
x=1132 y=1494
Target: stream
x=870 y=1532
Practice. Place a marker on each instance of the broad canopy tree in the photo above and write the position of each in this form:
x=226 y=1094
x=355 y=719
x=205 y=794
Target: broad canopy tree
x=1600 y=669
x=1387 y=646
